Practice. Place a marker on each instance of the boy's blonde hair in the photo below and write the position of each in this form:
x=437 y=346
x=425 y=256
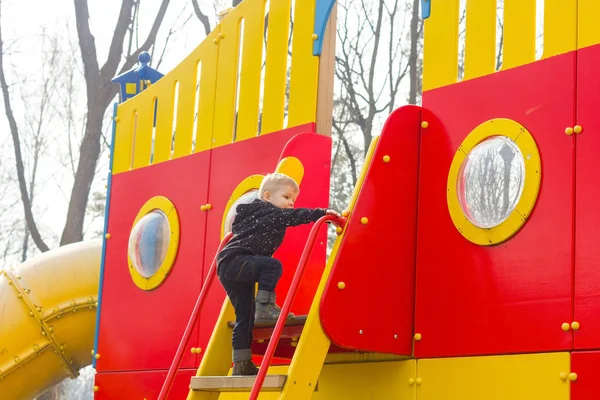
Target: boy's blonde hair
x=274 y=181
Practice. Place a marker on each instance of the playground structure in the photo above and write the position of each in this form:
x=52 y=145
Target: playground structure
x=465 y=267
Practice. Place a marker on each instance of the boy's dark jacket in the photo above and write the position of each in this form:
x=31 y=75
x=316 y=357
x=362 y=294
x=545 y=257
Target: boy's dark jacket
x=259 y=227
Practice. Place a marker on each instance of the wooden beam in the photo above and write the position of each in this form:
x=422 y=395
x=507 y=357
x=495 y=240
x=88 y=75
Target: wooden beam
x=327 y=77
x=273 y=383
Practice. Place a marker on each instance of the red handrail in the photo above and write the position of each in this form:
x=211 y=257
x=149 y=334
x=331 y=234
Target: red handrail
x=267 y=358
x=166 y=388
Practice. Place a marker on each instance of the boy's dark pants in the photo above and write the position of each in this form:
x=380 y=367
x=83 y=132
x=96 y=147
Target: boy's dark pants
x=238 y=273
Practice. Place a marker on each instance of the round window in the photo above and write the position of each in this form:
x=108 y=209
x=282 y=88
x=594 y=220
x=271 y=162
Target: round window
x=491 y=181
x=246 y=198
x=149 y=242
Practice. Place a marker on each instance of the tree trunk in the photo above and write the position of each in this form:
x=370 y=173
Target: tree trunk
x=88 y=159
x=100 y=91
x=414 y=55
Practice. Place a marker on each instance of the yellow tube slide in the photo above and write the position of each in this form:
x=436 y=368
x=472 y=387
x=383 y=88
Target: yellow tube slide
x=47 y=319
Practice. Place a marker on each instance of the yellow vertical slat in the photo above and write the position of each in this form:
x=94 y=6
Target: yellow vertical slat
x=254 y=26
x=305 y=67
x=226 y=79
x=440 y=60
x=278 y=33
x=560 y=27
x=186 y=75
x=143 y=133
x=480 y=44
x=208 y=54
x=519 y=33
x=588 y=33
x=123 y=145
x=164 y=122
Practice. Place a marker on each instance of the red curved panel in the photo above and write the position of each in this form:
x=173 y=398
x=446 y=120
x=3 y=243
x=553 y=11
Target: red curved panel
x=376 y=261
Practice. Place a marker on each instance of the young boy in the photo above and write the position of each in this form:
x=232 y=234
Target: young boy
x=258 y=230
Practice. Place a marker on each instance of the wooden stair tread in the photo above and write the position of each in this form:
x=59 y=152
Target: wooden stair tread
x=296 y=321
x=235 y=383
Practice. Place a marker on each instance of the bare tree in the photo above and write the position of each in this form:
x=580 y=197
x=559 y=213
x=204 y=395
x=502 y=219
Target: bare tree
x=39 y=113
x=35 y=234
x=372 y=60
x=100 y=93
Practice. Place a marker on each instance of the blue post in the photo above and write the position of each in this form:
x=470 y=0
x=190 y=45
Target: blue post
x=425 y=8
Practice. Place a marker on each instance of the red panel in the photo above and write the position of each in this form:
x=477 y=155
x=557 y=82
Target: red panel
x=140 y=330
x=587 y=385
x=140 y=385
x=587 y=251
x=512 y=297
x=229 y=166
x=376 y=261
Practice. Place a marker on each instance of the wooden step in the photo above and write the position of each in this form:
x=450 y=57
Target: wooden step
x=273 y=383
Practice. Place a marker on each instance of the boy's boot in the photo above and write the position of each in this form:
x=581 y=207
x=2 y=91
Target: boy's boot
x=272 y=300
x=242 y=364
x=266 y=311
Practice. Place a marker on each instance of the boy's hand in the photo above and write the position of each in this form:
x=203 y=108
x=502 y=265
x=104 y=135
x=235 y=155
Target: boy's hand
x=333 y=212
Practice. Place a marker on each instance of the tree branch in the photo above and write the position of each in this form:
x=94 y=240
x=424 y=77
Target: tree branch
x=116 y=46
x=133 y=58
x=14 y=130
x=86 y=44
x=202 y=17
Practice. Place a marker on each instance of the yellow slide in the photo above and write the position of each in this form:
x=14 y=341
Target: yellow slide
x=47 y=319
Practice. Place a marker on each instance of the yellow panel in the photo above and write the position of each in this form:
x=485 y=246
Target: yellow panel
x=519 y=33
x=209 y=56
x=276 y=66
x=143 y=133
x=226 y=79
x=587 y=29
x=185 y=73
x=560 y=27
x=254 y=26
x=377 y=381
x=374 y=381
x=305 y=67
x=164 y=90
x=517 y=377
x=440 y=60
x=480 y=46
x=123 y=145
